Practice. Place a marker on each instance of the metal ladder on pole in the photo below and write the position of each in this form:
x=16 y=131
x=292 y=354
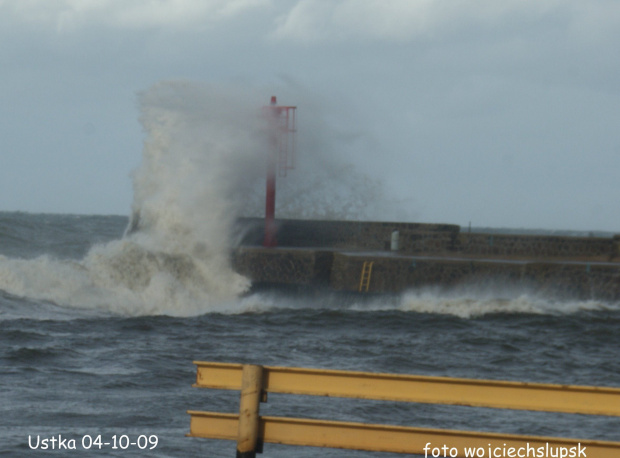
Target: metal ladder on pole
x=365 y=277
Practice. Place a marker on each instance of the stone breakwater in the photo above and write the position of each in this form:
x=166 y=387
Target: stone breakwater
x=332 y=254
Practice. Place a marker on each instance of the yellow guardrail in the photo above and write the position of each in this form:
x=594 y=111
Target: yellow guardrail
x=251 y=430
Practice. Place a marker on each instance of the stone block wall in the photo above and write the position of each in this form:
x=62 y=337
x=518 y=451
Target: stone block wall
x=535 y=246
x=422 y=242
x=432 y=239
x=350 y=235
x=394 y=274
x=332 y=253
x=292 y=267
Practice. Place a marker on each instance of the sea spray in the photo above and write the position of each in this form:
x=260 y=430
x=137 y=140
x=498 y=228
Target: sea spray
x=330 y=180
x=204 y=149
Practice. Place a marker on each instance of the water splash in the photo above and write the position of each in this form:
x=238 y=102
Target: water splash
x=204 y=149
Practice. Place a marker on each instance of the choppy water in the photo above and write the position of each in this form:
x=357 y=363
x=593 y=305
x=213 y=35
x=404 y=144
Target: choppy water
x=88 y=370
x=99 y=325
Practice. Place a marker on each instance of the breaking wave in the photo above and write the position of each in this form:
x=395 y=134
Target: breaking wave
x=203 y=150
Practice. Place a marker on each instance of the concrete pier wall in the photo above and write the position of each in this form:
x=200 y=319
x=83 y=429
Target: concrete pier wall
x=536 y=246
x=332 y=253
x=421 y=238
x=389 y=274
x=360 y=235
x=284 y=266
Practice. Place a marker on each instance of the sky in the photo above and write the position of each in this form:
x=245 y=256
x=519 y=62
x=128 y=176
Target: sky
x=494 y=113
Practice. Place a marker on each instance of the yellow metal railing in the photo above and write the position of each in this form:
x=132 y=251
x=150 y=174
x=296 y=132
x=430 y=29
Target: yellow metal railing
x=256 y=381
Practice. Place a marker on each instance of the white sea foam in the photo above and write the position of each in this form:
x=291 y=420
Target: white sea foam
x=473 y=301
x=204 y=149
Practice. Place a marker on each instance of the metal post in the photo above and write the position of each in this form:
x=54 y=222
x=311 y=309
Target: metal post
x=251 y=390
x=281 y=123
x=270 y=194
x=270 y=204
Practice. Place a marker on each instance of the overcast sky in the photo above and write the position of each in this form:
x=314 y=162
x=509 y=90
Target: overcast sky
x=502 y=113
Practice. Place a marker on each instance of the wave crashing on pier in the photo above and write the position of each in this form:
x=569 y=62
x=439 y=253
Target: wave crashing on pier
x=203 y=165
x=201 y=154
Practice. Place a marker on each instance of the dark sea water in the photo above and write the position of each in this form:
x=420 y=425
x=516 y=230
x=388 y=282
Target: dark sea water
x=84 y=352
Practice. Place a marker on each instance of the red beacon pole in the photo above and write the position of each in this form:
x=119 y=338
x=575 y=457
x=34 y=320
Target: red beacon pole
x=280 y=159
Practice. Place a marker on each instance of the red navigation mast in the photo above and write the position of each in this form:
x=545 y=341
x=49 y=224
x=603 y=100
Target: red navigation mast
x=281 y=158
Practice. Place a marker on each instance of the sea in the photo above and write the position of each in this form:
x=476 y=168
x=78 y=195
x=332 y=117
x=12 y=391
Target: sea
x=102 y=317
x=81 y=357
